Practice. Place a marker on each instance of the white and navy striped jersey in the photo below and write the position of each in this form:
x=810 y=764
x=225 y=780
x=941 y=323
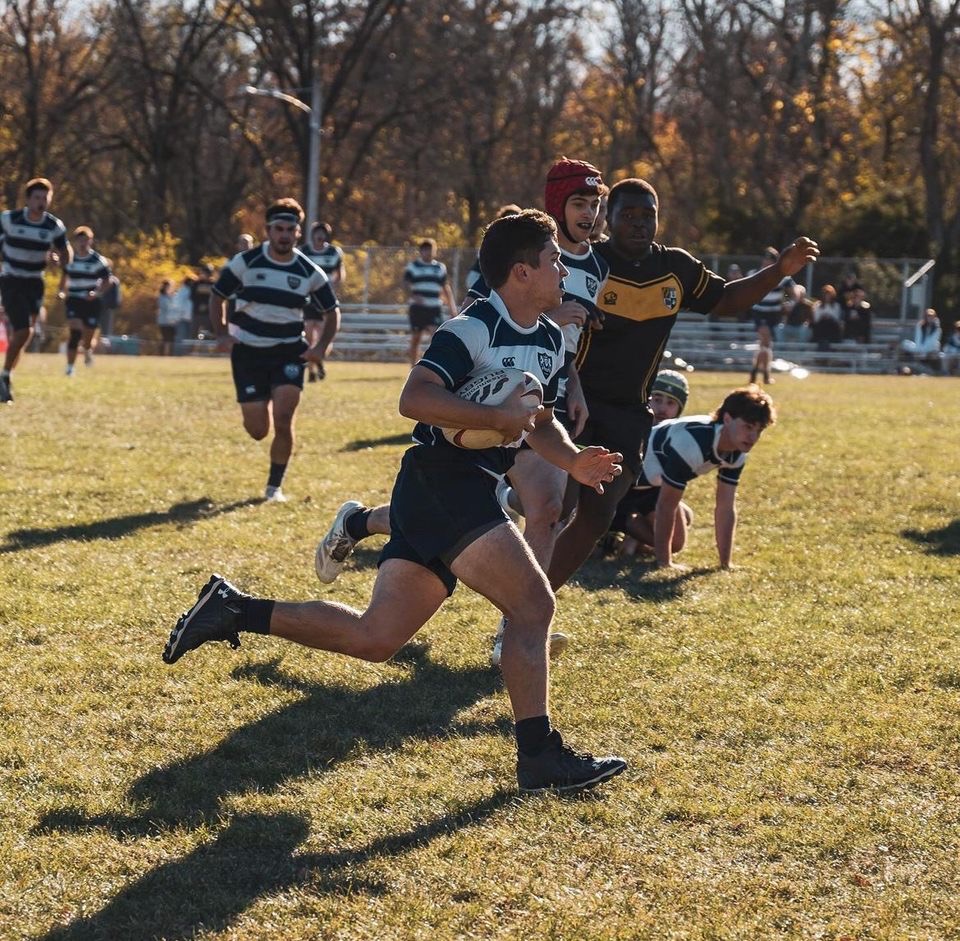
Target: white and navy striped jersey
x=85 y=274
x=328 y=259
x=586 y=274
x=771 y=304
x=26 y=244
x=271 y=295
x=482 y=338
x=426 y=278
x=683 y=448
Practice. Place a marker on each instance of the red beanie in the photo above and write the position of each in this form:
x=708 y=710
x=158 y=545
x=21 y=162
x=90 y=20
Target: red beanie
x=564 y=179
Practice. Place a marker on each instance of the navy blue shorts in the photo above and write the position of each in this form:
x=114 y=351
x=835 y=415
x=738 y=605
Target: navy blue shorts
x=637 y=501
x=421 y=317
x=623 y=428
x=86 y=310
x=441 y=502
x=258 y=370
x=22 y=299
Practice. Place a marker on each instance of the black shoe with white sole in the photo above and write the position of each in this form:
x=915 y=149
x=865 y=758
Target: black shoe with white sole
x=215 y=616
x=559 y=768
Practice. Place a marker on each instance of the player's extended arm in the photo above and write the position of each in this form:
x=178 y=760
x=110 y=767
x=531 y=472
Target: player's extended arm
x=745 y=292
x=664 y=521
x=218 y=312
x=725 y=522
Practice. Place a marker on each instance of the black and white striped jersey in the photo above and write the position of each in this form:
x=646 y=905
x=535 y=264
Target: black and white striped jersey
x=85 y=274
x=426 y=278
x=681 y=449
x=328 y=259
x=26 y=244
x=270 y=295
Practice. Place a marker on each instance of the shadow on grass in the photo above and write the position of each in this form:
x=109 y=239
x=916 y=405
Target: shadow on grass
x=640 y=581
x=943 y=541
x=362 y=444
x=182 y=514
x=255 y=856
x=309 y=736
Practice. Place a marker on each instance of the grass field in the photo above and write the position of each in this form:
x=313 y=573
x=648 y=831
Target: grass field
x=791 y=726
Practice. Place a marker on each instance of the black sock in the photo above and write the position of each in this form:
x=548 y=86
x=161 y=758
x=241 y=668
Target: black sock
x=532 y=734
x=256 y=615
x=356 y=524
x=276 y=474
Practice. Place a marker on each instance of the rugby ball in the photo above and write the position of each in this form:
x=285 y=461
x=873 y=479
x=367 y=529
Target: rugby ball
x=492 y=388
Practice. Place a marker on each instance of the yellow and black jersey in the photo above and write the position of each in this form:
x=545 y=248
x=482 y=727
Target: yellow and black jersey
x=640 y=301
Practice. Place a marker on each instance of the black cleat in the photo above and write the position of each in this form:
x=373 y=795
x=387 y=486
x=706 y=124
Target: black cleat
x=215 y=616
x=559 y=768
x=6 y=389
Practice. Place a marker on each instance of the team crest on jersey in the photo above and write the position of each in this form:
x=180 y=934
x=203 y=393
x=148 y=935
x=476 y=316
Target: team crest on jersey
x=509 y=361
x=293 y=282
x=592 y=285
x=291 y=370
x=610 y=297
x=546 y=363
x=669 y=298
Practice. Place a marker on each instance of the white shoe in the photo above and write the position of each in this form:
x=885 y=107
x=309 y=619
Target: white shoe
x=69 y=371
x=87 y=358
x=558 y=643
x=336 y=546
x=274 y=495
x=503 y=498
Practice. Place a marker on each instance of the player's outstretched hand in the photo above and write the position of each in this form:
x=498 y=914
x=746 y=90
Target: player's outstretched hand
x=595 y=466
x=798 y=254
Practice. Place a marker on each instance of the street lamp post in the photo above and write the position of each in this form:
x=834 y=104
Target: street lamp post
x=315 y=110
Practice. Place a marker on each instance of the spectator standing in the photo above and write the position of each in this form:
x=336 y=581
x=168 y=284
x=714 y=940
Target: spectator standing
x=827 y=319
x=426 y=281
x=202 y=288
x=796 y=328
x=168 y=316
x=857 y=317
x=183 y=301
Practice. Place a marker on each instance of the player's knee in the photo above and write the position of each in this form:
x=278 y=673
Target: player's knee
x=73 y=342
x=257 y=430
x=545 y=510
x=537 y=608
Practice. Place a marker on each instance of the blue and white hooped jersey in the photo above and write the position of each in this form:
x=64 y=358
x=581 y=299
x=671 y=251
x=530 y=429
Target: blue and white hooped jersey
x=482 y=338
x=771 y=304
x=26 y=244
x=426 y=278
x=586 y=274
x=271 y=295
x=328 y=259
x=85 y=274
x=681 y=449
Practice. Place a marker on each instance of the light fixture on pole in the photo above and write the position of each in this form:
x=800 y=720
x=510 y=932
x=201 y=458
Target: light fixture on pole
x=315 y=110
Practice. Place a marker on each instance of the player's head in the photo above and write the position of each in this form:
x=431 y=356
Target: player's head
x=284 y=218
x=572 y=196
x=39 y=193
x=520 y=240
x=320 y=232
x=751 y=404
x=632 y=217
x=82 y=235
x=668 y=394
x=428 y=249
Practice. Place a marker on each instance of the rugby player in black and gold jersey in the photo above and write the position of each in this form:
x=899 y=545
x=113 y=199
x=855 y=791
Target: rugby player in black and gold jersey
x=648 y=285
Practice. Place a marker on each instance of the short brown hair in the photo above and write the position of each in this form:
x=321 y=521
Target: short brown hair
x=513 y=239
x=83 y=230
x=39 y=183
x=284 y=207
x=751 y=404
x=428 y=243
